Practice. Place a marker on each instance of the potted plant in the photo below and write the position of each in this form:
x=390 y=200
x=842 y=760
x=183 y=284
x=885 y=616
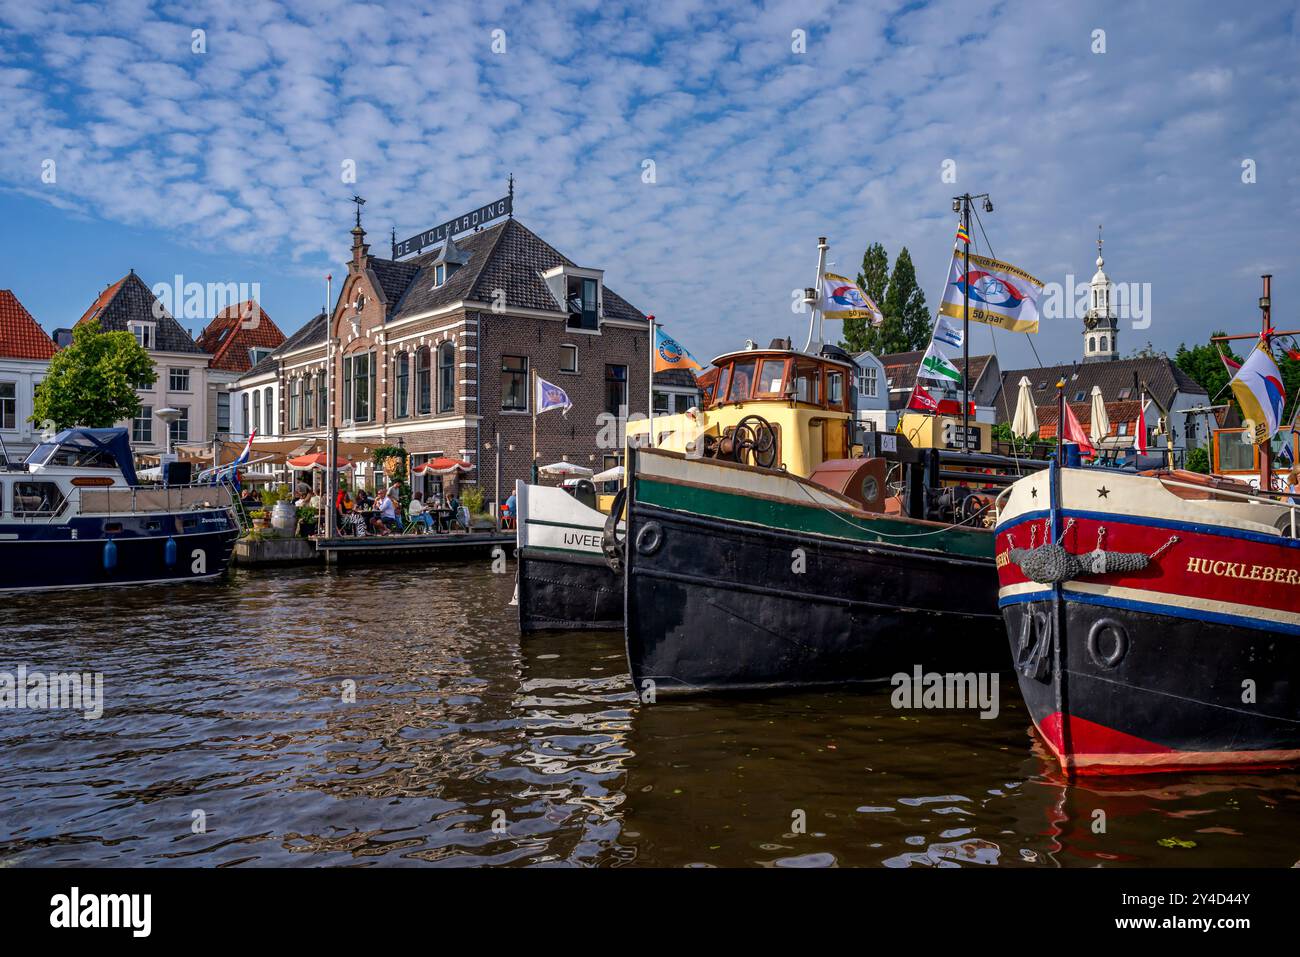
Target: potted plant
x=258 y=517
x=307 y=520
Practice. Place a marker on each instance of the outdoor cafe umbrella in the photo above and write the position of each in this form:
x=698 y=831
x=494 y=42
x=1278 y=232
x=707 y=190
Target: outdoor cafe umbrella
x=441 y=466
x=567 y=469
x=1025 y=421
x=1099 y=428
x=314 y=462
x=609 y=475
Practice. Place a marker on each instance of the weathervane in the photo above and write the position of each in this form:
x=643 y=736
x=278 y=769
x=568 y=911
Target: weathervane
x=511 y=195
x=360 y=202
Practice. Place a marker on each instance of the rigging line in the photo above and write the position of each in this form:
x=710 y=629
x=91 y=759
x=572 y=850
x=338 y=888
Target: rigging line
x=992 y=255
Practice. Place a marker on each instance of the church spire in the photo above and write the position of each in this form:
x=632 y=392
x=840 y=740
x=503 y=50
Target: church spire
x=1100 y=326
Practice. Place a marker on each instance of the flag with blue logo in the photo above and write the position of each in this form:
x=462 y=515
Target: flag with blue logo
x=550 y=396
x=669 y=353
x=948 y=333
x=844 y=299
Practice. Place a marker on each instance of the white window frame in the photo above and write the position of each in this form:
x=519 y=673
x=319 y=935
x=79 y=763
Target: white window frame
x=12 y=401
x=574 y=347
x=184 y=374
x=144 y=331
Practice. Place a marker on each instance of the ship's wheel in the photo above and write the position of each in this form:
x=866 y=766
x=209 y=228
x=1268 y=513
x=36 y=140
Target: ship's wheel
x=753 y=442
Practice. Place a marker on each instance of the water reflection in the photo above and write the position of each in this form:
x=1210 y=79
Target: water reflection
x=225 y=706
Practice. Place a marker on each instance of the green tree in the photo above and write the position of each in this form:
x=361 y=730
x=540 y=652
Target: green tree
x=907 y=322
x=1203 y=365
x=874 y=280
x=93 y=381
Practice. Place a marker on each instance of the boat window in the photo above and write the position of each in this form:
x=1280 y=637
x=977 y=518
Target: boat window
x=3 y=496
x=771 y=378
x=1234 y=454
x=808 y=382
x=37 y=499
x=724 y=379
x=742 y=380
x=835 y=389
x=73 y=454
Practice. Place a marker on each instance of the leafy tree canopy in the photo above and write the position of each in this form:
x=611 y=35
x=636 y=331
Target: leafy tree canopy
x=93 y=382
x=907 y=322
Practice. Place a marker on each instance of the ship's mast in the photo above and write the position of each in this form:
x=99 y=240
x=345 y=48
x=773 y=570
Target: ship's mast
x=961 y=204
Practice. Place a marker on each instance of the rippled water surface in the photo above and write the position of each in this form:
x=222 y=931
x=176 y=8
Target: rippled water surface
x=225 y=710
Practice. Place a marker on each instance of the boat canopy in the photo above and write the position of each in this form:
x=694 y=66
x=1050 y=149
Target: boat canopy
x=87 y=449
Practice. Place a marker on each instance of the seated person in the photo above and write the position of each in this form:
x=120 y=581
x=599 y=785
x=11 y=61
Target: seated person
x=419 y=513
x=389 y=509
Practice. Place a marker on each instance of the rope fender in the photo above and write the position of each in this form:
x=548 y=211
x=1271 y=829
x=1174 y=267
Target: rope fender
x=1051 y=562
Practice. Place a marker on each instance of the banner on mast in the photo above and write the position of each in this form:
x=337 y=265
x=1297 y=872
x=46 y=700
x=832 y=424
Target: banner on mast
x=1258 y=387
x=948 y=333
x=669 y=353
x=1001 y=294
x=844 y=299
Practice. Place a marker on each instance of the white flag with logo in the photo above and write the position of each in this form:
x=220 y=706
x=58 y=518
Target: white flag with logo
x=948 y=333
x=936 y=366
x=1000 y=294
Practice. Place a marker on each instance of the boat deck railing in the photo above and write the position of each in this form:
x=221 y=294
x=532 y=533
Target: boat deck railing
x=139 y=499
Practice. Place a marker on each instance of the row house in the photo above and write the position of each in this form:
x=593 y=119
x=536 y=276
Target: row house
x=25 y=353
x=438 y=353
x=129 y=305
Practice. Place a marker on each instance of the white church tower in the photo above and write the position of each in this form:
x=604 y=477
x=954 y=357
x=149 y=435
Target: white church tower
x=1100 y=327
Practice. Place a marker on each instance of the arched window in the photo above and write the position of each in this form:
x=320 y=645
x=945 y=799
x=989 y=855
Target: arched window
x=423 y=381
x=257 y=410
x=1103 y=344
x=402 y=395
x=268 y=413
x=243 y=401
x=1092 y=343
x=322 y=400
x=308 y=400
x=446 y=377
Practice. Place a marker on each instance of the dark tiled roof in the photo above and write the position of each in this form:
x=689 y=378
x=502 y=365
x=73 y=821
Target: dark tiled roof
x=228 y=337
x=312 y=333
x=1116 y=413
x=129 y=300
x=394 y=278
x=21 y=336
x=507 y=256
x=680 y=378
x=1162 y=377
x=901 y=368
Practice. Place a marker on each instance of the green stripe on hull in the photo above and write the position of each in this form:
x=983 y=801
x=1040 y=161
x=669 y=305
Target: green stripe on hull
x=813 y=519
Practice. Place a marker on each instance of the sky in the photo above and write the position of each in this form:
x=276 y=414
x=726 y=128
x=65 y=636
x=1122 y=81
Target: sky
x=694 y=151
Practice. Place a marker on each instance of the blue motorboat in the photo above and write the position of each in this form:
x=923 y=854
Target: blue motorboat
x=73 y=515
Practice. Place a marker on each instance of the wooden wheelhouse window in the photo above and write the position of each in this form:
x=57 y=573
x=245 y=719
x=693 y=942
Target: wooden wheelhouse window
x=742 y=380
x=771 y=378
x=835 y=389
x=808 y=382
x=723 y=380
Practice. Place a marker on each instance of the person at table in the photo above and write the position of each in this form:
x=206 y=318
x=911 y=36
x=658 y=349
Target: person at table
x=419 y=512
x=453 y=506
x=390 y=508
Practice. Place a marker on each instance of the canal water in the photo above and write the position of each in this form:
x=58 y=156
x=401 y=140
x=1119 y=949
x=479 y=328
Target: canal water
x=226 y=739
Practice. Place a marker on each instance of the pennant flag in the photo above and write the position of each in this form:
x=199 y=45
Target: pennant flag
x=1001 y=294
x=1140 y=432
x=935 y=365
x=551 y=396
x=844 y=299
x=962 y=236
x=669 y=353
x=921 y=400
x=1230 y=364
x=1258 y=387
x=1073 y=432
x=948 y=333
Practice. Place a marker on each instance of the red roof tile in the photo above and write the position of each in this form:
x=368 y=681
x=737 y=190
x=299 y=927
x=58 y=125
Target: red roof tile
x=21 y=336
x=228 y=337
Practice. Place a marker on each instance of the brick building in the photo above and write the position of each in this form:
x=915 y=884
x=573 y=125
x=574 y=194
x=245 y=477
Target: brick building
x=438 y=353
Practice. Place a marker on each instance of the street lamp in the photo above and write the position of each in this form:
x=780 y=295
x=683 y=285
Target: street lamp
x=169 y=415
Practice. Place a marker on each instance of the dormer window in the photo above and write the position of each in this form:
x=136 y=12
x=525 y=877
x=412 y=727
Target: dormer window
x=256 y=355
x=144 y=333
x=581 y=302
x=439 y=275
